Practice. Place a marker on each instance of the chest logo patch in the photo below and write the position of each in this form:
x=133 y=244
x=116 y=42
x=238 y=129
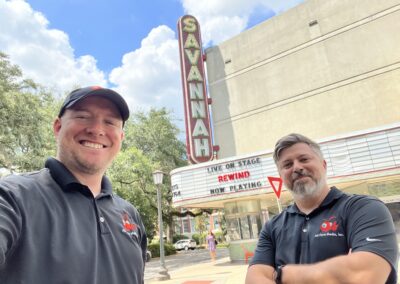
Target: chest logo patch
x=128 y=226
x=329 y=228
x=329 y=225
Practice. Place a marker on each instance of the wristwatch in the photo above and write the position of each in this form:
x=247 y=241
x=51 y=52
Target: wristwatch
x=278 y=274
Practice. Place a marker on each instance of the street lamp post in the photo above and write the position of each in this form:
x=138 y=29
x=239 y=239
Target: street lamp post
x=163 y=273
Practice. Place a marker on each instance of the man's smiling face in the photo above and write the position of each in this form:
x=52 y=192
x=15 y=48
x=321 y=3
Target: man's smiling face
x=302 y=170
x=89 y=135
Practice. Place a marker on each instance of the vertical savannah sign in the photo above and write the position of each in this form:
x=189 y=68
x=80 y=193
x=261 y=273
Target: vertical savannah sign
x=198 y=131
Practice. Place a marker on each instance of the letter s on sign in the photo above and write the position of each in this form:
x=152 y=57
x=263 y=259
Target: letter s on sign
x=190 y=25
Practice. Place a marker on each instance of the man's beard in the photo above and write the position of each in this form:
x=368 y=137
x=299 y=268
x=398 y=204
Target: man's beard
x=86 y=167
x=307 y=188
x=74 y=162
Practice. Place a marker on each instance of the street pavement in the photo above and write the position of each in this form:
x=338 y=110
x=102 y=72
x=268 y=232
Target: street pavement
x=182 y=259
x=195 y=267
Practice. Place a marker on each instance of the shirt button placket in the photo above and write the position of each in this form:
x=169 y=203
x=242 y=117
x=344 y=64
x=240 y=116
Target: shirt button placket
x=100 y=218
x=305 y=227
x=304 y=254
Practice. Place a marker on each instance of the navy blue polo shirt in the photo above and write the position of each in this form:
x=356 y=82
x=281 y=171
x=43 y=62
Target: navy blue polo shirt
x=52 y=230
x=342 y=222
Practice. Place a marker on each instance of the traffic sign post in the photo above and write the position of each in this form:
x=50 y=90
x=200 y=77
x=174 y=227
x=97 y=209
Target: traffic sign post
x=276 y=184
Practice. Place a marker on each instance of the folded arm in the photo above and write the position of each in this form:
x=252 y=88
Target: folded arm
x=260 y=273
x=358 y=267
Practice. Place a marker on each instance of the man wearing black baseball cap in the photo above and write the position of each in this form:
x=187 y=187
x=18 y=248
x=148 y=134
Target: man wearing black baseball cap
x=79 y=94
x=63 y=224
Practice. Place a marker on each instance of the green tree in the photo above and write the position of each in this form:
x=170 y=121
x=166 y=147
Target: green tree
x=155 y=135
x=131 y=174
x=26 y=114
x=201 y=223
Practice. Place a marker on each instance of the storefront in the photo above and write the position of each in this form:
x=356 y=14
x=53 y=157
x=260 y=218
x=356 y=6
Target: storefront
x=329 y=71
x=362 y=163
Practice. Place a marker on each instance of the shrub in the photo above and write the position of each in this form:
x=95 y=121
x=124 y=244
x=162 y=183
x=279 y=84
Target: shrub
x=219 y=236
x=196 y=237
x=155 y=249
x=176 y=238
x=169 y=249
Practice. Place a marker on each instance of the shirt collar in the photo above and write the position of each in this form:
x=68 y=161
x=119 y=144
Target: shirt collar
x=332 y=196
x=67 y=181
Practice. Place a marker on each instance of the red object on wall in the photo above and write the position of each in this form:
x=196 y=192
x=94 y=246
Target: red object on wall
x=273 y=181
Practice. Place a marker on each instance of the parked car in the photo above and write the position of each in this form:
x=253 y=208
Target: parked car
x=148 y=255
x=185 y=244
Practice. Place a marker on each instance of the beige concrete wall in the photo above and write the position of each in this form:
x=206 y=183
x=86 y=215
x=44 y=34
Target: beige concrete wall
x=337 y=76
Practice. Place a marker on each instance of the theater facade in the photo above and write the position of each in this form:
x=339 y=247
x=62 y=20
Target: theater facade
x=328 y=70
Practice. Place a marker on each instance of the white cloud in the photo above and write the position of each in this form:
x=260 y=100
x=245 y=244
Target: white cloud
x=150 y=75
x=44 y=54
x=222 y=19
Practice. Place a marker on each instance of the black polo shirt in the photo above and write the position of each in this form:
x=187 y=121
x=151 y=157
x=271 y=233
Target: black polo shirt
x=342 y=222
x=52 y=230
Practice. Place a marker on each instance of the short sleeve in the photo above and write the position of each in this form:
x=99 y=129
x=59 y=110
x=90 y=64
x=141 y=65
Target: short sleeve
x=370 y=228
x=10 y=223
x=142 y=231
x=265 y=251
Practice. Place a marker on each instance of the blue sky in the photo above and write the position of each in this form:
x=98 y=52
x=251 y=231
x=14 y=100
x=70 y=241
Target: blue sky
x=130 y=46
x=108 y=29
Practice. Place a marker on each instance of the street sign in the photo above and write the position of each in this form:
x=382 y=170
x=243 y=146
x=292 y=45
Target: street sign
x=274 y=181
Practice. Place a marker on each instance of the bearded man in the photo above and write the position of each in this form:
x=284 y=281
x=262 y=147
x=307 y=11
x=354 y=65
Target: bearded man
x=326 y=236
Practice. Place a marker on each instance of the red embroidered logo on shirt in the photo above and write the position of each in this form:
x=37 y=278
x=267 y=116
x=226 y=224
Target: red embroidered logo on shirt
x=329 y=225
x=128 y=226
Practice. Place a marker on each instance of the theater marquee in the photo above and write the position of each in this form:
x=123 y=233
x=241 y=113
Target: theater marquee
x=229 y=177
x=198 y=131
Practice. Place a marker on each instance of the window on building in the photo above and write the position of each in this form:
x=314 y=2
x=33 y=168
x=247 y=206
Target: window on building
x=243 y=220
x=186 y=225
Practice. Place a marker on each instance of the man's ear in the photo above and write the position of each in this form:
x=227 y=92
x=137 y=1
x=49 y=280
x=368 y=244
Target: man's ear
x=56 y=126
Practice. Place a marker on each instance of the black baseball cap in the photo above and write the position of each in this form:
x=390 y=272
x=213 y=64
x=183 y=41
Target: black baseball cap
x=82 y=93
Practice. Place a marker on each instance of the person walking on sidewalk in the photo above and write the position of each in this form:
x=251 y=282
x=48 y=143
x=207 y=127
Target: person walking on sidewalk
x=326 y=236
x=211 y=244
x=63 y=223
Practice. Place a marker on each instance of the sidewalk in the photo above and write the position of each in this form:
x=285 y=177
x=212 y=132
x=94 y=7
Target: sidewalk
x=223 y=271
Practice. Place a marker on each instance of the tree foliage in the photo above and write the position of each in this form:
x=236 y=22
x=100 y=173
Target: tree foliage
x=201 y=223
x=150 y=144
x=26 y=114
x=26 y=140
x=132 y=180
x=156 y=136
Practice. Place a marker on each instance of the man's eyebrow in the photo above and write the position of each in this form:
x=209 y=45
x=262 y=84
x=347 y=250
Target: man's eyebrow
x=115 y=115
x=297 y=157
x=305 y=156
x=110 y=114
x=77 y=108
x=285 y=161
